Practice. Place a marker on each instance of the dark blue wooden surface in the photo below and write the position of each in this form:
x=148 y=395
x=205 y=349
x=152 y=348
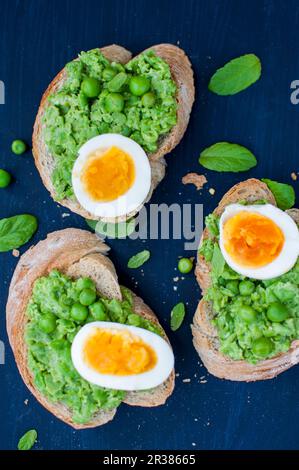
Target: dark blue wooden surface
x=37 y=38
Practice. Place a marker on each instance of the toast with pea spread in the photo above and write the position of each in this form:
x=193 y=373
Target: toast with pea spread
x=246 y=326
x=65 y=121
x=46 y=282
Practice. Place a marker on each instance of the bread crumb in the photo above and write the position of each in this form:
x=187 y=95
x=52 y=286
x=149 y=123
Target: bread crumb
x=294 y=176
x=15 y=253
x=203 y=381
x=193 y=443
x=176 y=279
x=212 y=191
x=186 y=381
x=195 y=419
x=26 y=401
x=196 y=179
x=65 y=214
x=177 y=374
x=175 y=288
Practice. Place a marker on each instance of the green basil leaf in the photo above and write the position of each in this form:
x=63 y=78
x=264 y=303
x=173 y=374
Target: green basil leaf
x=139 y=259
x=28 y=440
x=107 y=229
x=284 y=193
x=16 y=231
x=236 y=75
x=218 y=262
x=177 y=316
x=224 y=156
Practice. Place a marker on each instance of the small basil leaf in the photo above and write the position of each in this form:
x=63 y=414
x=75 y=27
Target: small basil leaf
x=28 y=440
x=16 y=231
x=236 y=75
x=177 y=316
x=107 y=229
x=224 y=156
x=284 y=193
x=139 y=259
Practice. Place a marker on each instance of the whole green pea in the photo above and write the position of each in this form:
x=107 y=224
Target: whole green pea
x=148 y=99
x=87 y=297
x=114 y=102
x=79 y=312
x=91 y=87
x=262 y=347
x=18 y=147
x=246 y=287
x=277 y=312
x=108 y=73
x=233 y=286
x=5 y=178
x=47 y=322
x=139 y=85
x=185 y=265
x=98 y=312
x=85 y=283
x=247 y=313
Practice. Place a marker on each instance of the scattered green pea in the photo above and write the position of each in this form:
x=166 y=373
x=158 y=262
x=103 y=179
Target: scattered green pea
x=277 y=312
x=139 y=85
x=148 y=99
x=91 y=87
x=114 y=102
x=47 y=323
x=79 y=312
x=246 y=287
x=247 y=313
x=233 y=286
x=85 y=283
x=5 y=178
x=18 y=147
x=262 y=347
x=98 y=312
x=108 y=74
x=87 y=297
x=185 y=265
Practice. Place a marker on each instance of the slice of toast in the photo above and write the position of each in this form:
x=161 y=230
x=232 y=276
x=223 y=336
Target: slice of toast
x=76 y=253
x=182 y=74
x=205 y=338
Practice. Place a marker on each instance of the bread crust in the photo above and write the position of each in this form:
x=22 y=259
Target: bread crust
x=205 y=338
x=183 y=76
x=64 y=250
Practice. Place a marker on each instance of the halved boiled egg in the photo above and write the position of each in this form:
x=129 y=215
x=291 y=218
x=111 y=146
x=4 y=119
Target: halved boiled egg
x=111 y=176
x=121 y=357
x=258 y=241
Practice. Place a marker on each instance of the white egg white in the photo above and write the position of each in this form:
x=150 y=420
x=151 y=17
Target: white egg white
x=143 y=381
x=134 y=197
x=289 y=253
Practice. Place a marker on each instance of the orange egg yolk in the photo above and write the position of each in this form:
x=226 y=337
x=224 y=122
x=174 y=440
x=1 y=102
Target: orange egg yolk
x=118 y=352
x=108 y=175
x=252 y=239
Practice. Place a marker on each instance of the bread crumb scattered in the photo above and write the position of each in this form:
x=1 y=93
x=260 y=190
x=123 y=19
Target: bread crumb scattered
x=203 y=381
x=212 y=191
x=175 y=288
x=294 y=176
x=15 y=253
x=186 y=381
x=196 y=179
x=26 y=401
x=65 y=214
x=176 y=279
x=193 y=443
x=177 y=374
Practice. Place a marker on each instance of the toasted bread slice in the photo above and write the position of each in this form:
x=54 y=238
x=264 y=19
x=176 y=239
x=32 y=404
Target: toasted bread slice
x=182 y=74
x=76 y=253
x=205 y=338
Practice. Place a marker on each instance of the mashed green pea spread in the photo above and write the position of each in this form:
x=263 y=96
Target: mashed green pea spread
x=49 y=335
x=251 y=336
x=71 y=118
